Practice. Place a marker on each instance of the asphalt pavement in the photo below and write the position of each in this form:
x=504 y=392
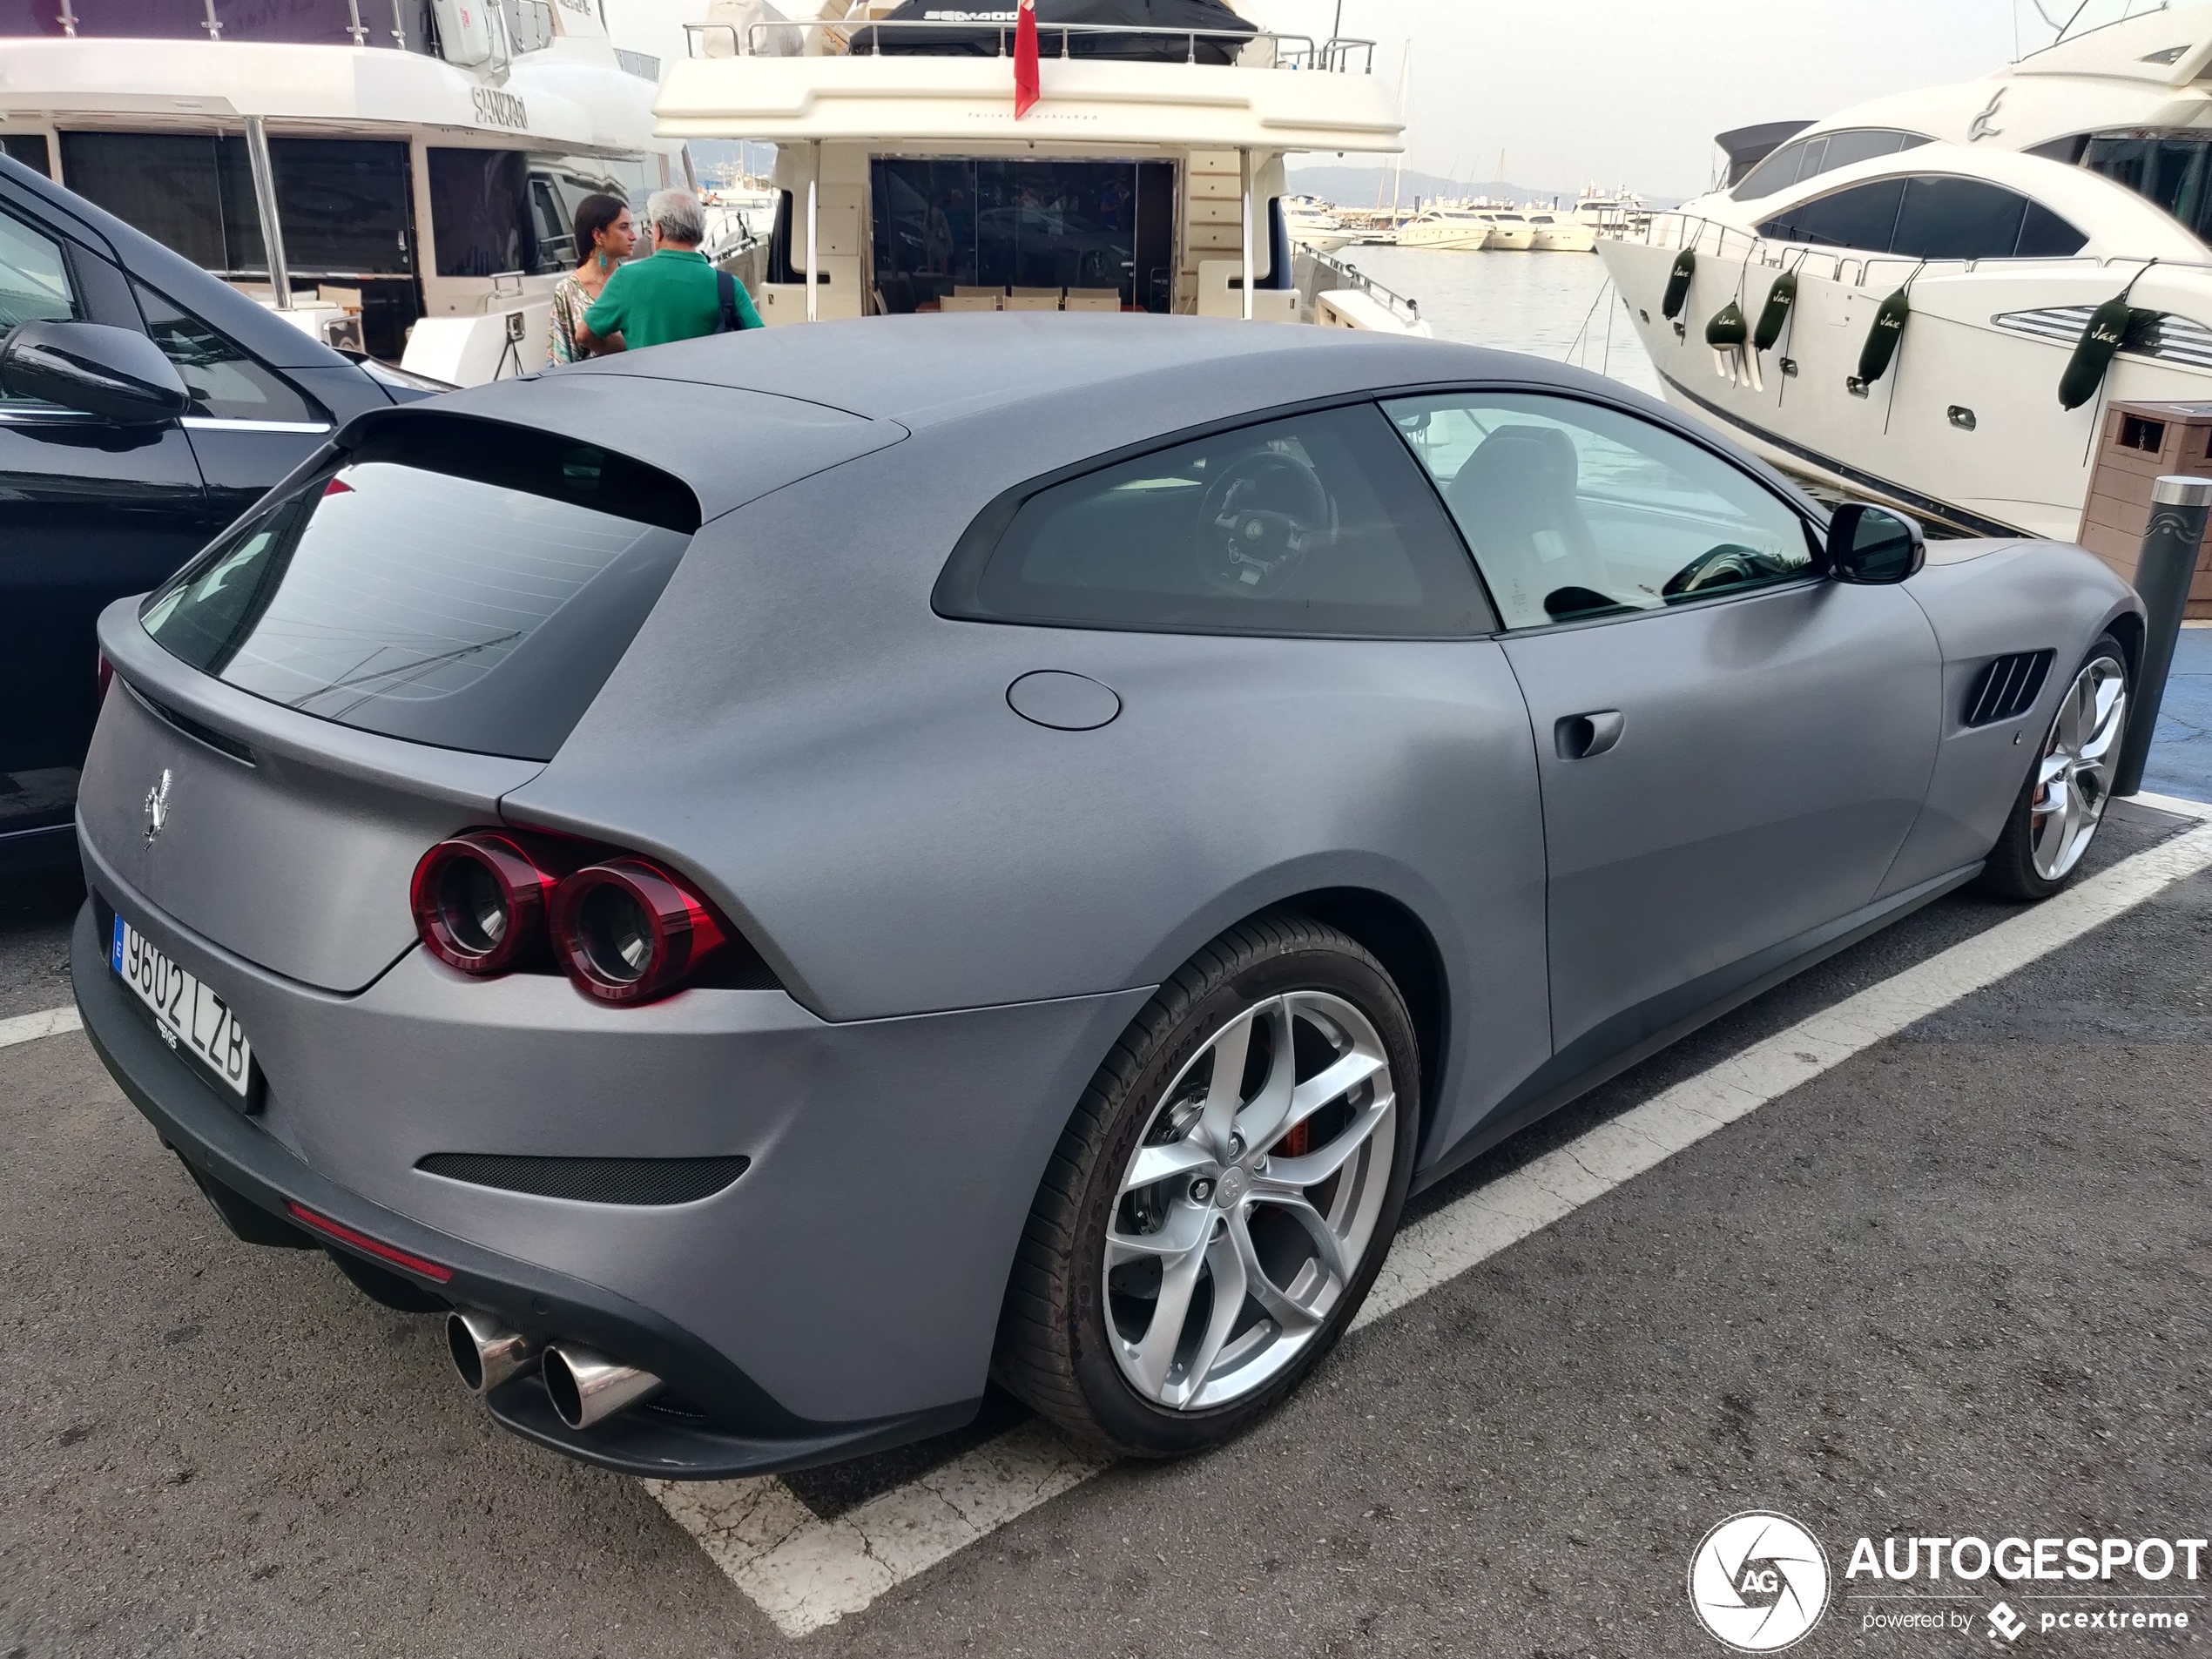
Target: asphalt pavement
x=1956 y=1284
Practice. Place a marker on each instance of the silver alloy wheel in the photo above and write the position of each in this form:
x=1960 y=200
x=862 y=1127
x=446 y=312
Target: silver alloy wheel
x=1251 y=1202
x=2073 y=779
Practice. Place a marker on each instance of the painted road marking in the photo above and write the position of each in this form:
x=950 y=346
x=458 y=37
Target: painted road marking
x=47 y=1022
x=806 y=1573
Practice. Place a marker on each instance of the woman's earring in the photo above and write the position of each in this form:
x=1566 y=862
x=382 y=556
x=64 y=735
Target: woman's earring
x=603 y=260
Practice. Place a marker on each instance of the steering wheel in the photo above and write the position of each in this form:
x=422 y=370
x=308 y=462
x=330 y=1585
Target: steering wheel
x=1721 y=567
x=1259 y=519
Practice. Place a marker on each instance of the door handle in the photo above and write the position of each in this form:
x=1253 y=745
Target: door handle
x=1577 y=736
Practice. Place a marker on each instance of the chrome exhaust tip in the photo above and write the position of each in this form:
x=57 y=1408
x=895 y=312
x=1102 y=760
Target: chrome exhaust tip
x=486 y=1352
x=587 y=1387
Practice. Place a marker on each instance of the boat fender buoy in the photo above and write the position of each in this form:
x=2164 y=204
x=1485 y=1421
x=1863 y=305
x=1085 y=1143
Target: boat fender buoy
x=1678 y=285
x=1883 y=339
x=1728 y=328
x=2093 y=353
x=1776 y=313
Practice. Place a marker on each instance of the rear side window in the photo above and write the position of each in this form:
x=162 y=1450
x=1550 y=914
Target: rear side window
x=451 y=583
x=1316 y=524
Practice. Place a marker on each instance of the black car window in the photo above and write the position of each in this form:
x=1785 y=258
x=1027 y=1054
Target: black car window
x=1316 y=524
x=34 y=284
x=1576 y=510
x=452 y=582
x=226 y=381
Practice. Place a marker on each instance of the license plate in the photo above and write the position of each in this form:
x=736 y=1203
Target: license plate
x=188 y=1016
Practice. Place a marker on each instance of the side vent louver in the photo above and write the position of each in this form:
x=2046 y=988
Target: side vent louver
x=2008 y=687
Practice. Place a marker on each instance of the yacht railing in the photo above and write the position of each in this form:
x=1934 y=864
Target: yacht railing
x=866 y=40
x=1344 y=275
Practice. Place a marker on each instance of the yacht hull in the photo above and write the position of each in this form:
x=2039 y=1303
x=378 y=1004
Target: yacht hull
x=1966 y=425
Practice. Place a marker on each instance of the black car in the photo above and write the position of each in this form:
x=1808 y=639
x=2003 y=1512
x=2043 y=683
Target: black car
x=144 y=405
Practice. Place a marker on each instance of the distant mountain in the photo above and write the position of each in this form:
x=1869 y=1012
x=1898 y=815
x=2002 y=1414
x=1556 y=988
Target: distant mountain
x=1366 y=187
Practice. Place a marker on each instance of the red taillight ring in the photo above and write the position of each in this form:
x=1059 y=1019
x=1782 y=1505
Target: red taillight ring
x=458 y=885
x=627 y=931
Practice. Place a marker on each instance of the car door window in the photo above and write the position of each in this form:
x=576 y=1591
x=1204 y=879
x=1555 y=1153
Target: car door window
x=34 y=284
x=226 y=383
x=1574 y=510
x=1316 y=524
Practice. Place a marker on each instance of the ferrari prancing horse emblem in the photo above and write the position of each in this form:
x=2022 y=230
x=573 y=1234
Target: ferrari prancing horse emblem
x=158 y=806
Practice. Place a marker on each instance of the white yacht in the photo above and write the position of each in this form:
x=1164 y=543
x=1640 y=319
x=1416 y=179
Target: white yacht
x=1459 y=228
x=2004 y=212
x=1611 y=212
x=397 y=176
x=1312 y=223
x=1510 y=230
x=1148 y=176
x=1555 y=232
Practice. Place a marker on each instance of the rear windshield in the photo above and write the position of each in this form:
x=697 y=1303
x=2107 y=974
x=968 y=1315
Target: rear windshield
x=450 y=582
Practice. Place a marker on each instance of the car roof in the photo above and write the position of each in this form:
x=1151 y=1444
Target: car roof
x=738 y=415
x=923 y=371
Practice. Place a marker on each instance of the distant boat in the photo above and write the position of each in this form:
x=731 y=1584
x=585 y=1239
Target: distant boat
x=1459 y=228
x=1510 y=230
x=1558 y=233
x=1312 y=223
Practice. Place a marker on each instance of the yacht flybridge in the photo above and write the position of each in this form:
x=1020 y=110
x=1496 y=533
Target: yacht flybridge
x=397 y=176
x=1147 y=176
x=1905 y=299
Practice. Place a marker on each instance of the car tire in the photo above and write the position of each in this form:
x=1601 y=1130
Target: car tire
x=1077 y=1339
x=2034 y=857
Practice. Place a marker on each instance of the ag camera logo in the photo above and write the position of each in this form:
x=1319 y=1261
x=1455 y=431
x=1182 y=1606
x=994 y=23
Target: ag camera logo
x=1759 y=1583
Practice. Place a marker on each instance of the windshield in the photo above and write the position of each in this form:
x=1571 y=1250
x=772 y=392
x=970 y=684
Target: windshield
x=476 y=612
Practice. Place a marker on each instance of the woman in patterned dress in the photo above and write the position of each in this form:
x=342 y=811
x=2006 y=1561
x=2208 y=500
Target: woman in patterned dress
x=605 y=234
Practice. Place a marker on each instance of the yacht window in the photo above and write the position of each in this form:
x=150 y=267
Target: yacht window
x=1929 y=217
x=1576 y=510
x=34 y=283
x=190 y=191
x=226 y=382
x=481 y=215
x=998 y=223
x=1802 y=159
x=29 y=148
x=1863 y=217
x=1315 y=525
x=1958 y=218
x=343 y=202
x=2171 y=171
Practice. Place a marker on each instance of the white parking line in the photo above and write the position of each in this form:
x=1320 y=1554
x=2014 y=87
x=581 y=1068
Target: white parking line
x=806 y=1573
x=47 y=1022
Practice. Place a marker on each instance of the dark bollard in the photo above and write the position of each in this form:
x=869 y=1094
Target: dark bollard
x=2163 y=573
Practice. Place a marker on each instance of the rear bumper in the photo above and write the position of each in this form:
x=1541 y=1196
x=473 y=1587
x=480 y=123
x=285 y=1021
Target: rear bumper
x=738 y=1429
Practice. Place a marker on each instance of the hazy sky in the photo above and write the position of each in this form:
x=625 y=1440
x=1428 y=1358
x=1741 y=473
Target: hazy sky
x=1631 y=92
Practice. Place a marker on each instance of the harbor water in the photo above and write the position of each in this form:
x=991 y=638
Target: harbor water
x=1560 y=306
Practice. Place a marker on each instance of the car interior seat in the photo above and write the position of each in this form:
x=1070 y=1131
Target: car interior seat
x=1516 y=500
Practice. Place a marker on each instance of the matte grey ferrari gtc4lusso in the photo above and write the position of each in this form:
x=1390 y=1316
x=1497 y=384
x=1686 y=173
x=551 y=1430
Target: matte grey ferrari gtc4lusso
x=783 y=878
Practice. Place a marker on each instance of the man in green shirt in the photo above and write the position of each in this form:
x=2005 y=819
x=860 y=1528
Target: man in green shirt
x=676 y=295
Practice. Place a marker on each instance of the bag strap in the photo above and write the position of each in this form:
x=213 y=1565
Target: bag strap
x=727 y=286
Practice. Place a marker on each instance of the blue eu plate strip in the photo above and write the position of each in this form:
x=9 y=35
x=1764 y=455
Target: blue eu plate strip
x=115 y=950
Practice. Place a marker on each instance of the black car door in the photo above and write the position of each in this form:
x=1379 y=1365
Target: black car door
x=88 y=511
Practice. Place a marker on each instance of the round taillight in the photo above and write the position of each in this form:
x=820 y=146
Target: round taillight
x=628 y=931
x=480 y=902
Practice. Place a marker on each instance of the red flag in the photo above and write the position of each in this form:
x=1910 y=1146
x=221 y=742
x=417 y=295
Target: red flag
x=1025 y=59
